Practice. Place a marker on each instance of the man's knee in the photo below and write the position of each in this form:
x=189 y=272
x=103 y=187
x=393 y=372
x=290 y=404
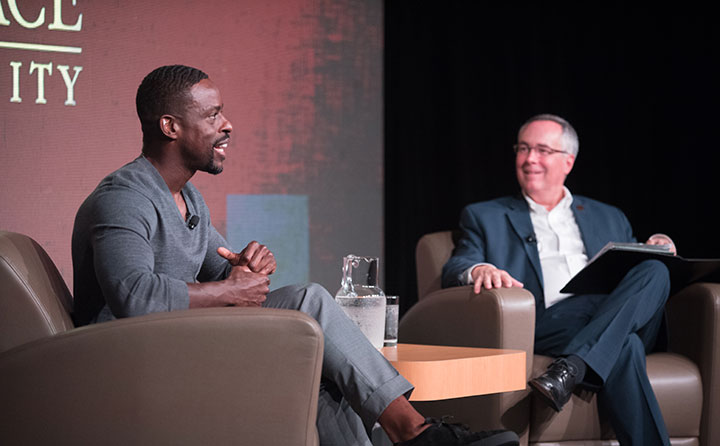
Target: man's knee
x=654 y=273
x=655 y=269
x=294 y=295
x=312 y=290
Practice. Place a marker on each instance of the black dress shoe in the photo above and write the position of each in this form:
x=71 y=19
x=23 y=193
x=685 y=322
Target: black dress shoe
x=556 y=385
x=442 y=433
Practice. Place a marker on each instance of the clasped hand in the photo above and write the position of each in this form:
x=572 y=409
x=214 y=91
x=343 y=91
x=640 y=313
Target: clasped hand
x=248 y=280
x=255 y=257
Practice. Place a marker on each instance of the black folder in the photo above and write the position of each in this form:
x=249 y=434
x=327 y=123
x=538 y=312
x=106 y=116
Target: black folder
x=604 y=271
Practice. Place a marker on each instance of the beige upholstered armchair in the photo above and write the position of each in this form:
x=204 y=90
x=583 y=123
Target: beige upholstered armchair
x=215 y=376
x=686 y=380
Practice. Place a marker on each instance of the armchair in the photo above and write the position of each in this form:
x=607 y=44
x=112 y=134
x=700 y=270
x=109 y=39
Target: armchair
x=211 y=376
x=686 y=380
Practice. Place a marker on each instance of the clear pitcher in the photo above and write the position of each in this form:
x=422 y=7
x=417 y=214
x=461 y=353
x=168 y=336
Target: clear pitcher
x=361 y=298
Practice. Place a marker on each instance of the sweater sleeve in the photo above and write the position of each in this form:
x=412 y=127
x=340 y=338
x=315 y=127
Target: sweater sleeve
x=214 y=266
x=122 y=226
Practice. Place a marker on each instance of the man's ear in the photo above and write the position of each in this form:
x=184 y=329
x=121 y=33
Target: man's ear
x=169 y=126
x=569 y=163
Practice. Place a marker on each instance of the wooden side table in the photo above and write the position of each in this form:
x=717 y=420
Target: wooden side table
x=441 y=372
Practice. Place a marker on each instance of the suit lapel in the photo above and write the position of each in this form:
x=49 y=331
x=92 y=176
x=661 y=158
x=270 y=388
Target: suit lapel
x=519 y=216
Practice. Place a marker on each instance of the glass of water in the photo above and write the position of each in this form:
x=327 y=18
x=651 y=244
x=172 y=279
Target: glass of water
x=392 y=311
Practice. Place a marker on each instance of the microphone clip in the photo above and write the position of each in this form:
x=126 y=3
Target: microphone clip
x=193 y=221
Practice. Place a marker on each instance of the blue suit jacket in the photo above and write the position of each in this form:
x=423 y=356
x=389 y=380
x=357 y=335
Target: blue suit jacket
x=500 y=232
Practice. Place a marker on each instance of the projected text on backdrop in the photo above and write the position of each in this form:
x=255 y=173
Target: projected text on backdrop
x=35 y=63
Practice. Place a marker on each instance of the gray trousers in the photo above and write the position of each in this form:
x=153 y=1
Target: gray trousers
x=357 y=383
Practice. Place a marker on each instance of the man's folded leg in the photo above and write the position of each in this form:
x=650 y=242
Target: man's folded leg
x=337 y=421
x=619 y=330
x=357 y=375
x=634 y=306
x=359 y=371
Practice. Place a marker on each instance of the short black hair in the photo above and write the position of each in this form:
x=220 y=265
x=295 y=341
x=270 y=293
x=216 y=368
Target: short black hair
x=164 y=91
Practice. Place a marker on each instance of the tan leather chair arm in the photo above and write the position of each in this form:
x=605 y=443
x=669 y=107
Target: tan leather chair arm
x=211 y=376
x=694 y=327
x=497 y=318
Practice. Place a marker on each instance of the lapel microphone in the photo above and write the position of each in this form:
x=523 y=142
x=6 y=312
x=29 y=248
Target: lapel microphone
x=193 y=221
x=530 y=239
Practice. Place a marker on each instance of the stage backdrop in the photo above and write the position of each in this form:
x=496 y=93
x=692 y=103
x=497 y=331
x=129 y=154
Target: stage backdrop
x=301 y=82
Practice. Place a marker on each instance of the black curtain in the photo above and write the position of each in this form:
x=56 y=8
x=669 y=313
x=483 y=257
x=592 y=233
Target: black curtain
x=640 y=87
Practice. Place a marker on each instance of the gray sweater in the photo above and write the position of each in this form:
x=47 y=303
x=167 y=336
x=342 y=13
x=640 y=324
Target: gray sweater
x=133 y=253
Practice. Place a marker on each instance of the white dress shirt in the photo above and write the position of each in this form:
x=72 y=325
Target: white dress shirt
x=560 y=245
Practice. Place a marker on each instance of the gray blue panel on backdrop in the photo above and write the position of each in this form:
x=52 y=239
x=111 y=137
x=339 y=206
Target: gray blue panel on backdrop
x=281 y=223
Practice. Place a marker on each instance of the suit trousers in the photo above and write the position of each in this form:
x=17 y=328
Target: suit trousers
x=613 y=333
x=357 y=383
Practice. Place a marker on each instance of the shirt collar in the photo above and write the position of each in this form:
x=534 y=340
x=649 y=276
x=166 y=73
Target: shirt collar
x=564 y=203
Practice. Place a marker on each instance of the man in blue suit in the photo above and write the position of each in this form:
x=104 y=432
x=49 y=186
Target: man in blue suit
x=539 y=240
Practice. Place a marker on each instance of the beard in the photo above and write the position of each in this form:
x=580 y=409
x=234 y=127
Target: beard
x=212 y=167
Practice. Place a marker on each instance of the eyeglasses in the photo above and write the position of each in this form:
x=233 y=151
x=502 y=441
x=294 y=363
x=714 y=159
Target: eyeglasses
x=543 y=151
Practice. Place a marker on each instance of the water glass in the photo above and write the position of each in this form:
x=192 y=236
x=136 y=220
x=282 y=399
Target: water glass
x=392 y=311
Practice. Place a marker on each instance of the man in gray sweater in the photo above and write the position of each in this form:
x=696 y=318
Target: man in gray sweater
x=143 y=242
